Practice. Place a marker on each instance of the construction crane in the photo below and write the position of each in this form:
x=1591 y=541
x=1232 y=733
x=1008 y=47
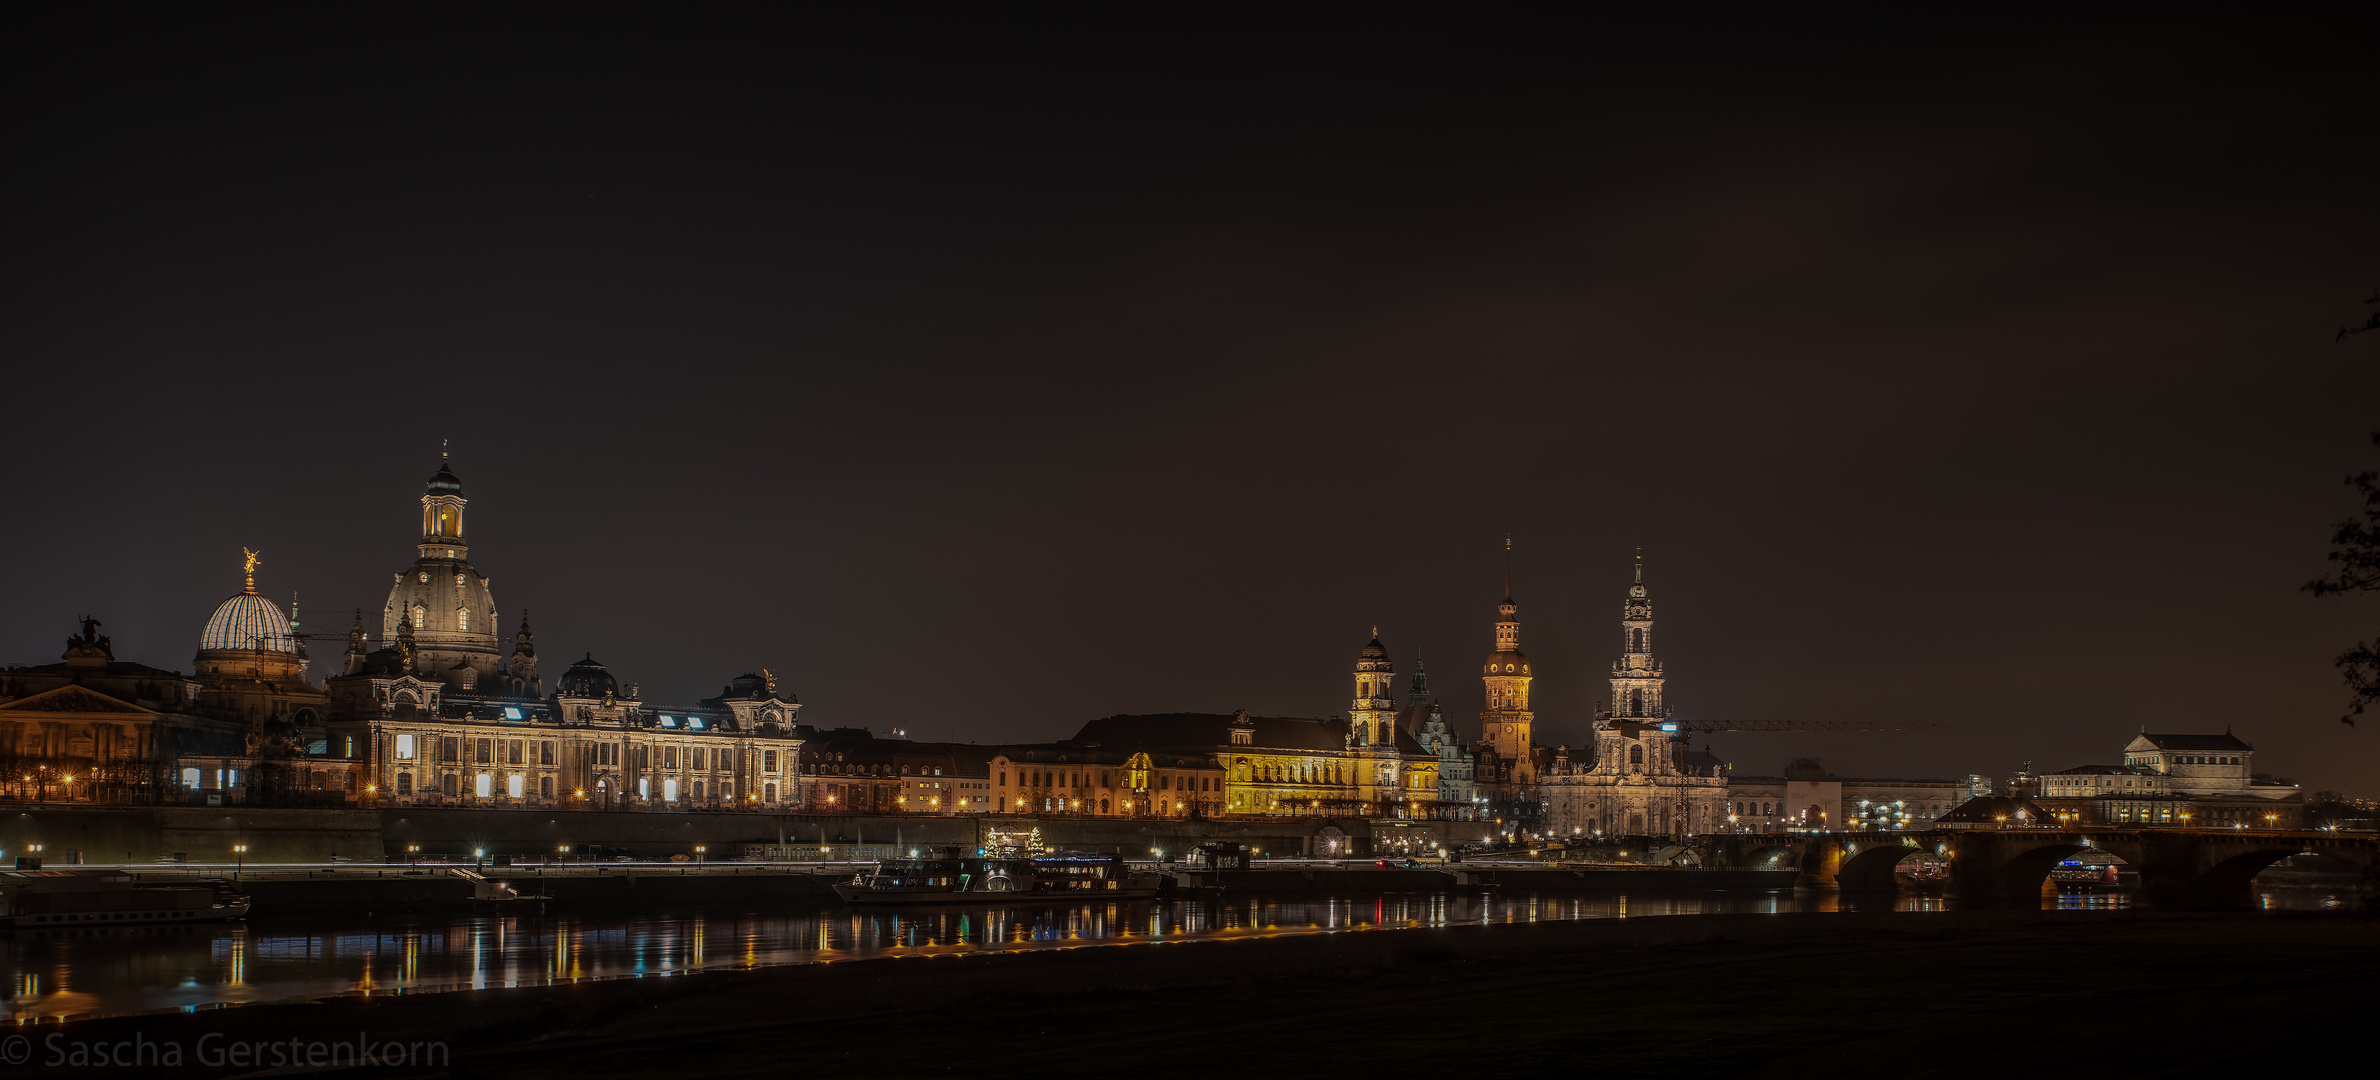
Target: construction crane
x=1707 y=726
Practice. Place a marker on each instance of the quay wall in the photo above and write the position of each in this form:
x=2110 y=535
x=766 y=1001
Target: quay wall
x=138 y=834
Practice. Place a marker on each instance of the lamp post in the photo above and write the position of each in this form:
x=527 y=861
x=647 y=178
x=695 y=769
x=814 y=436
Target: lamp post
x=239 y=855
x=698 y=853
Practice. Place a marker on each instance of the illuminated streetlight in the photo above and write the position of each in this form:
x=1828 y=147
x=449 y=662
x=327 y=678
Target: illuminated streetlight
x=239 y=855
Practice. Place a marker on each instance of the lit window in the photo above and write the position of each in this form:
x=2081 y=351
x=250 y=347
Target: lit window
x=511 y=713
x=404 y=747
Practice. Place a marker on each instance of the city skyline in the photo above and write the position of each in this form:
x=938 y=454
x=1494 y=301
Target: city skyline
x=2006 y=399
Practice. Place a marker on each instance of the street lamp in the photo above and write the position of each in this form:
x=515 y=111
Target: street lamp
x=239 y=855
x=698 y=850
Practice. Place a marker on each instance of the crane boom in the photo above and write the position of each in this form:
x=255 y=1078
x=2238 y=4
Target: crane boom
x=1808 y=725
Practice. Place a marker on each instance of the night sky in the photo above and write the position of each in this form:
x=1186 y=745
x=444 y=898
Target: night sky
x=983 y=379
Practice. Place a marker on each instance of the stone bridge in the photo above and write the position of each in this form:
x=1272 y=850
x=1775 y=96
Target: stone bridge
x=2215 y=867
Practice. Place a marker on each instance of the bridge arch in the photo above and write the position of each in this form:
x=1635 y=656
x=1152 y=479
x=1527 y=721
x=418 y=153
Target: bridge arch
x=2024 y=875
x=1874 y=867
x=1773 y=857
x=2232 y=882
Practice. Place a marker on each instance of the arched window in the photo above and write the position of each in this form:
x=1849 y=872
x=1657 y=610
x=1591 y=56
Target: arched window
x=463 y=619
x=421 y=617
x=513 y=786
x=545 y=786
x=1636 y=755
x=1636 y=707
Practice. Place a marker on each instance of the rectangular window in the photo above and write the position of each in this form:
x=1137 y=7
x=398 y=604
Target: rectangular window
x=450 y=748
x=768 y=761
x=694 y=756
x=545 y=755
x=483 y=751
x=404 y=783
x=669 y=757
x=519 y=754
x=404 y=748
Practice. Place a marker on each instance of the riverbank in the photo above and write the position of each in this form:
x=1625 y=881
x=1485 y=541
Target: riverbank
x=1779 y=995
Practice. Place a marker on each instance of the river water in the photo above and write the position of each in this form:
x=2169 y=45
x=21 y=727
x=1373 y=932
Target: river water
x=55 y=974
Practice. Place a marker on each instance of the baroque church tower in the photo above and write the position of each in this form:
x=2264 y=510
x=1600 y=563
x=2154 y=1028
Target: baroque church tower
x=1373 y=717
x=1506 y=723
x=1636 y=681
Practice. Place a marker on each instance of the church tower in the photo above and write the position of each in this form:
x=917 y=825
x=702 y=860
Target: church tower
x=1373 y=717
x=1506 y=723
x=1636 y=680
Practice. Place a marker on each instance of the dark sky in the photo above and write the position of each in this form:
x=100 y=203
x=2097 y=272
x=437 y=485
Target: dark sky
x=982 y=379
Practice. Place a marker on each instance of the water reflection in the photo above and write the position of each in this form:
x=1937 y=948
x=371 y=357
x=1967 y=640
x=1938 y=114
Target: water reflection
x=59 y=973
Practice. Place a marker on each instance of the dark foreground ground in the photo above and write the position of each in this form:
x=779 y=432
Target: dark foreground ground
x=1959 y=994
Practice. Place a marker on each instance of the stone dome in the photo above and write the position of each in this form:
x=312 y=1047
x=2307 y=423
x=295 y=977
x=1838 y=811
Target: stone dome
x=1516 y=660
x=248 y=622
x=587 y=679
x=445 y=480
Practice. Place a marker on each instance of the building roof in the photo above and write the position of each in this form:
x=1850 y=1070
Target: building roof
x=1131 y=732
x=247 y=622
x=2225 y=741
x=1992 y=809
x=2108 y=770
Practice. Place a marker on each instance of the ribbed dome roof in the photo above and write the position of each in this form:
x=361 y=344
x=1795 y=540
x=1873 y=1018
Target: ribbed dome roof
x=588 y=678
x=446 y=480
x=250 y=622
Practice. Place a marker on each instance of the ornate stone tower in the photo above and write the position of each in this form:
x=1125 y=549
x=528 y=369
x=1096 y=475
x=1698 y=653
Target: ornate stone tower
x=1506 y=724
x=1636 y=681
x=1372 y=718
x=445 y=602
x=524 y=658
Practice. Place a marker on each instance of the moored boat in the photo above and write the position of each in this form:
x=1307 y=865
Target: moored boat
x=81 y=898
x=950 y=878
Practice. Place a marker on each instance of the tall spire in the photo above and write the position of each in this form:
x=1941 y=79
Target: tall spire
x=1508 y=569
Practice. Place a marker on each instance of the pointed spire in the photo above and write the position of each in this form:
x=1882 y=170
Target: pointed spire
x=1508 y=568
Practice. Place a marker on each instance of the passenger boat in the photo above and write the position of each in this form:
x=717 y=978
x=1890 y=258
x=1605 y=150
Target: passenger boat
x=950 y=878
x=81 y=898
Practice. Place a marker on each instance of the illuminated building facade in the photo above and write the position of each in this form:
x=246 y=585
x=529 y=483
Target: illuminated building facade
x=1806 y=796
x=437 y=716
x=93 y=728
x=2175 y=779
